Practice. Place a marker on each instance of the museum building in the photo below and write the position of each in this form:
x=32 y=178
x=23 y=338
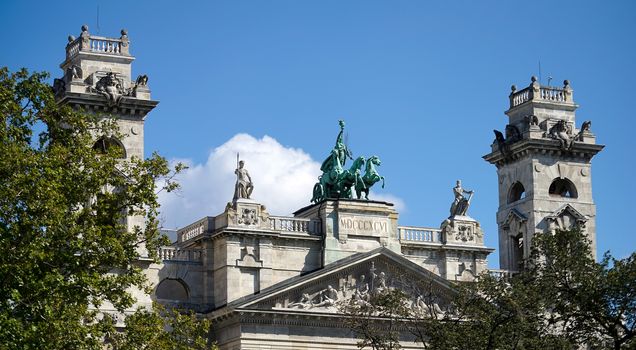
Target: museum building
x=276 y=282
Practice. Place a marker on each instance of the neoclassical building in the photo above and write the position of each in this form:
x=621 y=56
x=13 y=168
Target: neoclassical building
x=275 y=282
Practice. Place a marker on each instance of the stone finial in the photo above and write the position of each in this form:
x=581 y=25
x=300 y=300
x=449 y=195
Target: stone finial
x=124 y=42
x=71 y=38
x=513 y=88
x=85 y=37
x=566 y=83
x=533 y=79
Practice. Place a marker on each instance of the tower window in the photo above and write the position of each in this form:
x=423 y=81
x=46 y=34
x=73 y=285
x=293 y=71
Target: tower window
x=110 y=144
x=517 y=192
x=563 y=188
x=172 y=289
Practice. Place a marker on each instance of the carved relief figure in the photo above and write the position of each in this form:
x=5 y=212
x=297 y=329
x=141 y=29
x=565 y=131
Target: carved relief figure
x=328 y=297
x=305 y=302
x=460 y=204
x=561 y=131
x=244 y=186
x=109 y=86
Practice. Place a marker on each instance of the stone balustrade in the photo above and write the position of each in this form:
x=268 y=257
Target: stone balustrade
x=520 y=97
x=295 y=225
x=98 y=44
x=175 y=254
x=72 y=48
x=105 y=45
x=502 y=274
x=541 y=93
x=194 y=230
x=419 y=234
x=552 y=94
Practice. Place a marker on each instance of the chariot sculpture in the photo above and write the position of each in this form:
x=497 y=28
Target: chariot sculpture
x=338 y=182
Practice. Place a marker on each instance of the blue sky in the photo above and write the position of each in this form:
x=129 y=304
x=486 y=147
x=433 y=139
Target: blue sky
x=422 y=84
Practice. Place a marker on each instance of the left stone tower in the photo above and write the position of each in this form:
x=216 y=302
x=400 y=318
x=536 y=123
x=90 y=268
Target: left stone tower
x=98 y=79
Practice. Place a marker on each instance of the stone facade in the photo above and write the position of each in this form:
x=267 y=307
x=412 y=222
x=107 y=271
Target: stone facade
x=275 y=282
x=244 y=250
x=264 y=278
x=544 y=169
x=98 y=79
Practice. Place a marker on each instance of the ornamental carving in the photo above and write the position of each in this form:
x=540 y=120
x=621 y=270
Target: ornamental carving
x=358 y=289
x=248 y=217
x=465 y=233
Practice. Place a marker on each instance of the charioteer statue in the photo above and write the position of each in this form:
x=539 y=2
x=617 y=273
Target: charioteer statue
x=460 y=204
x=338 y=182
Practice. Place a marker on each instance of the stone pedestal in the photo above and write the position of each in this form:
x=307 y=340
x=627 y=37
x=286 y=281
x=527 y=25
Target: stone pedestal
x=352 y=226
x=465 y=252
x=463 y=230
x=245 y=213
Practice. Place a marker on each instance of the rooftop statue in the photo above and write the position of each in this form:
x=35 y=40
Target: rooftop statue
x=338 y=182
x=370 y=177
x=244 y=186
x=460 y=204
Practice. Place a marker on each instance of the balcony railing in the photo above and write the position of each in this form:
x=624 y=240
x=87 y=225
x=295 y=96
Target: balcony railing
x=295 y=225
x=99 y=44
x=174 y=254
x=536 y=92
x=419 y=234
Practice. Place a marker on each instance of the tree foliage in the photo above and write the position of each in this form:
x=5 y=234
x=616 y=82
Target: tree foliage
x=66 y=249
x=562 y=300
x=162 y=329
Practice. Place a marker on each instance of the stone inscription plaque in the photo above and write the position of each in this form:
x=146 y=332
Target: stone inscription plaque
x=363 y=225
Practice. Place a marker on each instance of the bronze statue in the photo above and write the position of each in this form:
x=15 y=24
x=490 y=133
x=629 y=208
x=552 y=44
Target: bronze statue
x=338 y=182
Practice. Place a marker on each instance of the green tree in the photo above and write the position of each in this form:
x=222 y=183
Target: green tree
x=162 y=329
x=63 y=205
x=591 y=303
x=564 y=299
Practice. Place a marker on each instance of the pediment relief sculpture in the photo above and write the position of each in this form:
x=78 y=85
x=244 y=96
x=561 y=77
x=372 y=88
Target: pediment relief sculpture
x=358 y=289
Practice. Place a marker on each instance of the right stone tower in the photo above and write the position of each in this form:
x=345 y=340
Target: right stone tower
x=544 y=170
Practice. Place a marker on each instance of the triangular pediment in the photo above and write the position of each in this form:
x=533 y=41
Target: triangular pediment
x=567 y=209
x=352 y=280
x=515 y=215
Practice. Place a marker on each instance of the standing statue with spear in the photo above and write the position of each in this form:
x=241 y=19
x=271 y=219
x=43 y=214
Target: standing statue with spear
x=460 y=204
x=244 y=186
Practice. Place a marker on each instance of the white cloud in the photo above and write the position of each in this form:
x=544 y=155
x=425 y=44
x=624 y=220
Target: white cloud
x=283 y=180
x=400 y=206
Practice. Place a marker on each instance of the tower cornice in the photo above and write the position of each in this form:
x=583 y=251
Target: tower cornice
x=579 y=150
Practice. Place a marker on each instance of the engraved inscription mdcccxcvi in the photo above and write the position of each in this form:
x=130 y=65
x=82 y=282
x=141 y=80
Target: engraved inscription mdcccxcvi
x=364 y=225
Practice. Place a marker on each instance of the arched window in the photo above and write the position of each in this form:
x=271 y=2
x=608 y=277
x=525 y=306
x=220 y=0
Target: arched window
x=563 y=188
x=110 y=144
x=172 y=289
x=517 y=192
